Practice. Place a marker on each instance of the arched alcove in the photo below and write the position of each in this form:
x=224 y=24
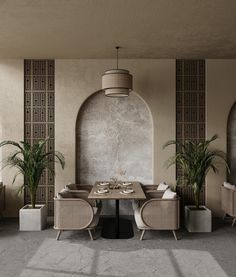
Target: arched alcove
x=114 y=139
x=231 y=144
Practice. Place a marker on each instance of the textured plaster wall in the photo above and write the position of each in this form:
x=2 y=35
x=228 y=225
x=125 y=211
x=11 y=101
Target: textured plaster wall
x=154 y=81
x=221 y=95
x=11 y=125
x=114 y=139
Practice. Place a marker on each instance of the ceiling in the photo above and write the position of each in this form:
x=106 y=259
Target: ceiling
x=92 y=28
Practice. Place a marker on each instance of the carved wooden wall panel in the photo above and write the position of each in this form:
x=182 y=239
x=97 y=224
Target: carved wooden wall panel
x=190 y=110
x=39 y=91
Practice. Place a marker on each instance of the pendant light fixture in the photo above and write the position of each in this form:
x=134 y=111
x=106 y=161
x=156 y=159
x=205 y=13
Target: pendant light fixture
x=117 y=82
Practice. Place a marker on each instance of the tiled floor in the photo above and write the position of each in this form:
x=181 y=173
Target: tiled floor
x=39 y=254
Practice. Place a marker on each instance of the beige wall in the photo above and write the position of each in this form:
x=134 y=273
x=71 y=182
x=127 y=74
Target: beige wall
x=221 y=94
x=154 y=81
x=11 y=124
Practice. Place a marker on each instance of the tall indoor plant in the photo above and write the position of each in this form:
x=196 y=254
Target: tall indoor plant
x=196 y=159
x=31 y=161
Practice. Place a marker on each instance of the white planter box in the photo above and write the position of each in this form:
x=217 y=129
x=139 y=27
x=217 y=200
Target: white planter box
x=33 y=219
x=198 y=220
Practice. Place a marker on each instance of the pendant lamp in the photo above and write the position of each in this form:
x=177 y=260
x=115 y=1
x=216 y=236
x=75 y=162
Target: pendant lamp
x=117 y=82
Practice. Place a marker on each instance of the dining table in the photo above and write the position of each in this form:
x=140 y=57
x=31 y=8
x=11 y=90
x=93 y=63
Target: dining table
x=117 y=227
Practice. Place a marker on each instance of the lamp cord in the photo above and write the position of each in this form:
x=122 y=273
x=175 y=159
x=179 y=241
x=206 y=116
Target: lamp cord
x=117 y=57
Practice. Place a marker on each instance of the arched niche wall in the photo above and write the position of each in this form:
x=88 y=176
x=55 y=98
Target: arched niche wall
x=114 y=138
x=231 y=144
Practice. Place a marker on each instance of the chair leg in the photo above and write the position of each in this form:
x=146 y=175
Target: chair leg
x=224 y=216
x=174 y=233
x=58 y=234
x=142 y=234
x=90 y=234
x=234 y=222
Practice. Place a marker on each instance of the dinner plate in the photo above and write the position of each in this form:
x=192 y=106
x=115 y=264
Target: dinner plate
x=102 y=191
x=126 y=184
x=128 y=191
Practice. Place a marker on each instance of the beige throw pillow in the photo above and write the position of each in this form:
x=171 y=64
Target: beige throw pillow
x=162 y=186
x=169 y=194
x=228 y=185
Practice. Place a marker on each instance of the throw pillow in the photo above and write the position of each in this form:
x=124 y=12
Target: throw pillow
x=162 y=186
x=169 y=194
x=228 y=185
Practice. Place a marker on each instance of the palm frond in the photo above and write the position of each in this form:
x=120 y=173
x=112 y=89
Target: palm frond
x=31 y=162
x=170 y=142
x=196 y=159
x=11 y=142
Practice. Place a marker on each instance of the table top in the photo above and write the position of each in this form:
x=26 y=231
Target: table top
x=115 y=194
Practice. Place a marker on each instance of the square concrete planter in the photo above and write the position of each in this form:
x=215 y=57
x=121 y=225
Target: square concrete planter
x=198 y=220
x=33 y=219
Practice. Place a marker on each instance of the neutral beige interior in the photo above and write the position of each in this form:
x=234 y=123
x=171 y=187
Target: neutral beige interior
x=92 y=28
x=221 y=95
x=82 y=35
x=11 y=126
x=154 y=80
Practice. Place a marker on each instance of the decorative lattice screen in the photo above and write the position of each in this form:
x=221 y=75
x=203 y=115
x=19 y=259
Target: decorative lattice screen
x=190 y=110
x=39 y=93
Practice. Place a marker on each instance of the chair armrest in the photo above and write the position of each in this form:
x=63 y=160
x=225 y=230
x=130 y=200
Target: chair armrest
x=78 y=190
x=75 y=187
x=83 y=194
x=149 y=187
x=85 y=187
x=160 y=214
x=72 y=213
x=154 y=194
x=228 y=200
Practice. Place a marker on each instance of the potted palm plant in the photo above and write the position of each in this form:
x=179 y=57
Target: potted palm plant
x=31 y=162
x=196 y=159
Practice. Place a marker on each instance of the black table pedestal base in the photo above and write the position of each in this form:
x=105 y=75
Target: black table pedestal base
x=110 y=230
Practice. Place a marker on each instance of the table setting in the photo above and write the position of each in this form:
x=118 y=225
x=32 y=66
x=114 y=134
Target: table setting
x=123 y=187
x=115 y=227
